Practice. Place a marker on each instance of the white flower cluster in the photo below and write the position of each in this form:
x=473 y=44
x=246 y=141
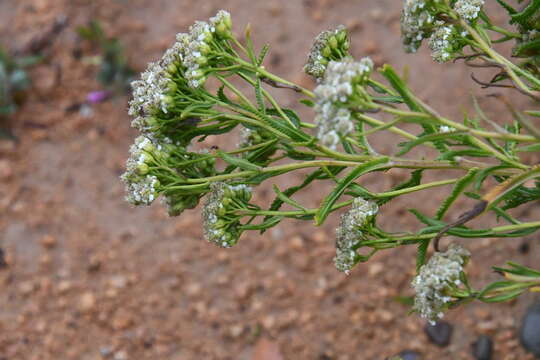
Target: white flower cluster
x=417 y=22
x=435 y=278
x=154 y=92
x=468 y=9
x=441 y=43
x=220 y=225
x=322 y=50
x=198 y=44
x=349 y=233
x=142 y=187
x=332 y=94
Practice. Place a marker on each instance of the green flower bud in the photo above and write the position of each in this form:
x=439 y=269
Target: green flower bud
x=342 y=36
x=172 y=86
x=143 y=169
x=326 y=52
x=204 y=49
x=172 y=69
x=333 y=42
x=201 y=60
x=222 y=30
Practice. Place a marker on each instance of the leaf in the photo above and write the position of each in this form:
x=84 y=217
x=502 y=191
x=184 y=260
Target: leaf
x=344 y=183
x=291 y=114
x=415 y=180
x=509 y=9
x=409 y=145
x=401 y=87
x=287 y=199
x=238 y=162
x=307 y=102
x=459 y=187
x=259 y=97
x=262 y=54
x=421 y=254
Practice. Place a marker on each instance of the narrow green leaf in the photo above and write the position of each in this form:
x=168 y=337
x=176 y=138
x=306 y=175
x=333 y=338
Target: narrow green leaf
x=459 y=187
x=238 y=162
x=344 y=183
x=287 y=199
x=422 y=254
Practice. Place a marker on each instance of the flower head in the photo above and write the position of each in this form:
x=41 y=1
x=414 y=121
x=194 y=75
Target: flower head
x=444 y=43
x=435 y=280
x=351 y=231
x=468 y=9
x=329 y=45
x=220 y=223
x=343 y=83
x=142 y=187
x=418 y=22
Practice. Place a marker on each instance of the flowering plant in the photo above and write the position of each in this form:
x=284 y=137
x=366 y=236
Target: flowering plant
x=193 y=92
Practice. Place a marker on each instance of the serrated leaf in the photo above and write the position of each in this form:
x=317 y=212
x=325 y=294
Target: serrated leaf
x=344 y=183
x=262 y=54
x=259 y=96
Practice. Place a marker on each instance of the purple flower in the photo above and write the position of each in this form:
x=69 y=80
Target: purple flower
x=96 y=97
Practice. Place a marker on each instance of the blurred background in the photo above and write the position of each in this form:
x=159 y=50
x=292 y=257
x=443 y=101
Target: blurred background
x=83 y=275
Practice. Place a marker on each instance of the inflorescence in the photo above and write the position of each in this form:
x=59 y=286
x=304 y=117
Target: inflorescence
x=330 y=45
x=342 y=87
x=428 y=19
x=221 y=224
x=350 y=233
x=434 y=283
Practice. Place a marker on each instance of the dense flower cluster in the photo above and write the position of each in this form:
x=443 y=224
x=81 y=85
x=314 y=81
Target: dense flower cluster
x=418 y=22
x=142 y=186
x=468 y=9
x=424 y=19
x=198 y=44
x=342 y=84
x=435 y=280
x=329 y=45
x=350 y=233
x=443 y=43
x=220 y=223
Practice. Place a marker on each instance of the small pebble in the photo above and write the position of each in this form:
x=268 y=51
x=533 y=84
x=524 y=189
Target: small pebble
x=407 y=355
x=482 y=348
x=440 y=333
x=529 y=333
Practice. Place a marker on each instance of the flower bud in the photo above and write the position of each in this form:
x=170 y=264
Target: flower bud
x=333 y=42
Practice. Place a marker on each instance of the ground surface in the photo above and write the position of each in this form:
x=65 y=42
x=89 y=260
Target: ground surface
x=89 y=277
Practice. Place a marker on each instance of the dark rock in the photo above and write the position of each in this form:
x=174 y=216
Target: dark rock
x=482 y=348
x=440 y=333
x=408 y=355
x=529 y=333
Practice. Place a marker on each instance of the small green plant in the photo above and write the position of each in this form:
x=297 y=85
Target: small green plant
x=114 y=73
x=14 y=81
x=174 y=107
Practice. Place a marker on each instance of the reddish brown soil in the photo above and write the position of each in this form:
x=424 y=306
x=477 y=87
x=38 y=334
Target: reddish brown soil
x=90 y=277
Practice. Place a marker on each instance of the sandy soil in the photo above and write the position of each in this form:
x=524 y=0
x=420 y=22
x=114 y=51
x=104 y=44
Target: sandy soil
x=89 y=277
